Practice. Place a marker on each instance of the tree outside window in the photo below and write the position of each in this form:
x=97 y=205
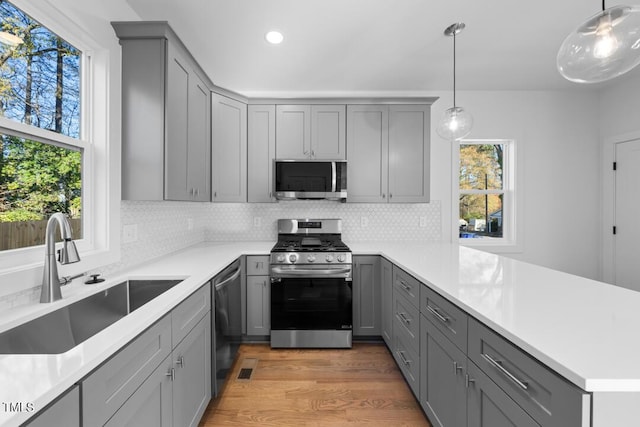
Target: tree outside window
x=481 y=203
x=39 y=87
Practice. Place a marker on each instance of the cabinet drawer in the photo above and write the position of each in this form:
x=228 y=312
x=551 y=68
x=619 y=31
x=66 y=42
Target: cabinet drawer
x=407 y=317
x=407 y=359
x=107 y=388
x=258 y=265
x=547 y=397
x=448 y=318
x=189 y=312
x=407 y=285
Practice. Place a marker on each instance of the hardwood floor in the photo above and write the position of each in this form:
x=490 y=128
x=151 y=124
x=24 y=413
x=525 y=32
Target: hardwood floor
x=313 y=388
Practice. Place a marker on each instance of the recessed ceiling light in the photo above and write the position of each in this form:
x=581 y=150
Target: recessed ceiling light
x=274 y=37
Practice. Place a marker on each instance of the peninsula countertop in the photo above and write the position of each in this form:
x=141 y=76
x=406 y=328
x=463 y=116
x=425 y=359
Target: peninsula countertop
x=583 y=329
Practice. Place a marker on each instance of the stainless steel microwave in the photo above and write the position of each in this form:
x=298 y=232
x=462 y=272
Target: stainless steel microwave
x=310 y=179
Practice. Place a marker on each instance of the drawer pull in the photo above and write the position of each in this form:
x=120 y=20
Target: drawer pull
x=404 y=318
x=405 y=286
x=436 y=313
x=404 y=359
x=171 y=373
x=498 y=365
x=468 y=380
x=456 y=368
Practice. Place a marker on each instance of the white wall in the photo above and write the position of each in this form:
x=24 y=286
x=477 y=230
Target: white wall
x=558 y=132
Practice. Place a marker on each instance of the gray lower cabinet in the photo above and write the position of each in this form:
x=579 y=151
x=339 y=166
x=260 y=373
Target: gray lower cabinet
x=367 y=319
x=386 y=300
x=229 y=149
x=258 y=295
x=65 y=411
x=442 y=378
x=166 y=116
x=261 y=151
x=489 y=406
x=161 y=378
x=152 y=403
x=192 y=378
x=258 y=305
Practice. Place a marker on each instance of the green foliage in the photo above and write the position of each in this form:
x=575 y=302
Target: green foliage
x=18 y=215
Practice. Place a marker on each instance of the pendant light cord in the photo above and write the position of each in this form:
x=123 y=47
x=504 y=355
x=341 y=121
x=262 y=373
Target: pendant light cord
x=454 y=69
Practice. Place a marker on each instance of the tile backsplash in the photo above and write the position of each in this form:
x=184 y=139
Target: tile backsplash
x=153 y=229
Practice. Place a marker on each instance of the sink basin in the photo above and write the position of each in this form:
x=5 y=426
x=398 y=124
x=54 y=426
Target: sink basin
x=63 y=329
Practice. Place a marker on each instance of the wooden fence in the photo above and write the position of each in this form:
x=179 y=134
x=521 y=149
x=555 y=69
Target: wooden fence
x=21 y=234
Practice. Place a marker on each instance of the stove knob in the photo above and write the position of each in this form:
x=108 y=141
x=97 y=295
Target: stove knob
x=341 y=258
x=281 y=258
x=293 y=258
x=311 y=258
x=329 y=258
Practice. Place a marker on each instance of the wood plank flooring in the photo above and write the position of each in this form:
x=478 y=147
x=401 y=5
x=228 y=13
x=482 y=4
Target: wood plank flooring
x=316 y=387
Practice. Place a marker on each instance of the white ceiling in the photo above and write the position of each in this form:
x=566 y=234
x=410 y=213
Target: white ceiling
x=337 y=47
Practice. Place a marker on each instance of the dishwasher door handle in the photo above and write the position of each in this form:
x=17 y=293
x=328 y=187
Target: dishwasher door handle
x=229 y=279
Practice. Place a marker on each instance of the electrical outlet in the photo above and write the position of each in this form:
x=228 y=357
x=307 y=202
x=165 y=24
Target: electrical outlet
x=129 y=233
x=423 y=221
x=257 y=221
x=364 y=221
x=189 y=224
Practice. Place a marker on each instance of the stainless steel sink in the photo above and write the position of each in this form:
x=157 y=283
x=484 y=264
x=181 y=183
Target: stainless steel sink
x=63 y=329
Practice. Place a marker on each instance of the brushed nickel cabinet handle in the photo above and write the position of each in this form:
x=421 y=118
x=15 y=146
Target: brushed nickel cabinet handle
x=404 y=359
x=498 y=365
x=171 y=374
x=180 y=361
x=404 y=318
x=436 y=313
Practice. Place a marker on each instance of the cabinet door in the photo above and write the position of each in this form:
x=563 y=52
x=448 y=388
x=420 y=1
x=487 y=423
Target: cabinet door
x=63 y=412
x=150 y=405
x=229 y=159
x=177 y=125
x=328 y=132
x=293 y=132
x=409 y=153
x=109 y=386
x=443 y=394
x=366 y=296
x=386 y=302
x=261 y=152
x=489 y=406
x=258 y=305
x=192 y=384
x=199 y=149
x=367 y=153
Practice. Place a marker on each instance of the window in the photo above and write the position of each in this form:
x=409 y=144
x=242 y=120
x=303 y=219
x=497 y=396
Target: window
x=486 y=203
x=41 y=149
x=74 y=126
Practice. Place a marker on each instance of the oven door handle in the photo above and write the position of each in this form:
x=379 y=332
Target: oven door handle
x=283 y=272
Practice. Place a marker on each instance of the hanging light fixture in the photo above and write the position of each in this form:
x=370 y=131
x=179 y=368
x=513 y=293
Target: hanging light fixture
x=605 y=46
x=456 y=123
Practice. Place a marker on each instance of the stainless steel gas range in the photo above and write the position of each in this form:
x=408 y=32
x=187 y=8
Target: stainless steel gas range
x=311 y=285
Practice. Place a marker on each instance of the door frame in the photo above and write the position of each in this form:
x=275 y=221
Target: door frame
x=608 y=191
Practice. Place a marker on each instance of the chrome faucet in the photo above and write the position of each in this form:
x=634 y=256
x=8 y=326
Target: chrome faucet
x=68 y=254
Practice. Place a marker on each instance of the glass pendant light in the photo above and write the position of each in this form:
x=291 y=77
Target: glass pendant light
x=456 y=123
x=605 y=46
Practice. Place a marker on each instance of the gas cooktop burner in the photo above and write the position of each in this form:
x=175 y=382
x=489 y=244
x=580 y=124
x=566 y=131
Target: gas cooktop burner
x=292 y=243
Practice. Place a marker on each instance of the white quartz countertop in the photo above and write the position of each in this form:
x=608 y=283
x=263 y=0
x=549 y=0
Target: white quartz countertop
x=583 y=329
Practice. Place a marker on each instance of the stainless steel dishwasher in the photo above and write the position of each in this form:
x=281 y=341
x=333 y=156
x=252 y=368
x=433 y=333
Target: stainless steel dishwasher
x=227 y=322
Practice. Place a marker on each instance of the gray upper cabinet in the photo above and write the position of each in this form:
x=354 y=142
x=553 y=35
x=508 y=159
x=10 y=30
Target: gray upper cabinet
x=166 y=116
x=395 y=138
x=261 y=151
x=229 y=150
x=310 y=132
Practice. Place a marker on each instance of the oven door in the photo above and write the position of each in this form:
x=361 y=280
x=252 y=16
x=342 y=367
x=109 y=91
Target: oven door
x=304 y=303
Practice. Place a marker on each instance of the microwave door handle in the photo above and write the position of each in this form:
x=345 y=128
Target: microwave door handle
x=333 y=177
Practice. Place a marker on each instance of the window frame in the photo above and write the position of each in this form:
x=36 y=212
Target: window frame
x=99 y=142
x=512 y=238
